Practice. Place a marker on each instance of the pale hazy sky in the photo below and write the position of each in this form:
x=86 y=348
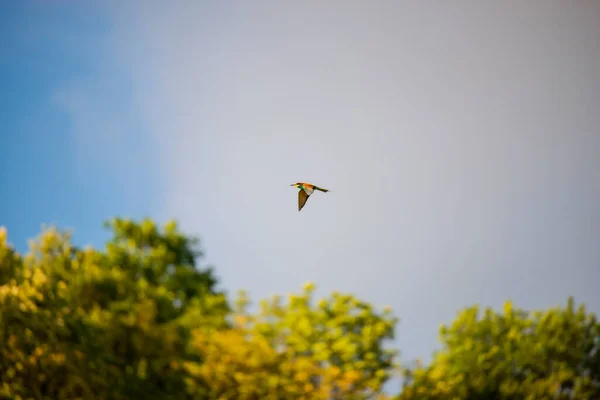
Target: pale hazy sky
x=460 y=141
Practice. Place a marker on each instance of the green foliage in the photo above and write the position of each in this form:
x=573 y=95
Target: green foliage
x=298 y=350
x=513 y=355
x=109 y=324
x=139 y=320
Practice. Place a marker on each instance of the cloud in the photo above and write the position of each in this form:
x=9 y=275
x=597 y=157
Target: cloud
x=459 y=144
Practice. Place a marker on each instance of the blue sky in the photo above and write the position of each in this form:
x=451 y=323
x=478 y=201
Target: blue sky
x=459 y=142
x=45 y=47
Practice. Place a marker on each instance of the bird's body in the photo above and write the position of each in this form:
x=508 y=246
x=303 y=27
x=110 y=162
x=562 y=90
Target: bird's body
x=306 y=189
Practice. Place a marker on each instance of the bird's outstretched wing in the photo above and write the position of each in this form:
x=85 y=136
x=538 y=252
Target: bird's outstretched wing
x=302 y=197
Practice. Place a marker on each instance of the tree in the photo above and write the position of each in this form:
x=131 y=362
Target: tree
x=139 y=320
x=110 y=324
x=513 y=355
x=298 y=350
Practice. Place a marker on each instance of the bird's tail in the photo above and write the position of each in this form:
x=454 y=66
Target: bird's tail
x=321 y=189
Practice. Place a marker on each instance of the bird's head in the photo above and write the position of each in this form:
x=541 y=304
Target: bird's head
x=297 y=184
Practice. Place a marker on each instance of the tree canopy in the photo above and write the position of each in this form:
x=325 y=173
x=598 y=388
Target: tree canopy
x=140 y=319
x=552 y=354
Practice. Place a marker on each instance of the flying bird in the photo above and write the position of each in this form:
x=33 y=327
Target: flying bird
x=306 y=189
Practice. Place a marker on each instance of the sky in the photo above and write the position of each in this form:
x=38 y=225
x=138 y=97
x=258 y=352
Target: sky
x=459 y=142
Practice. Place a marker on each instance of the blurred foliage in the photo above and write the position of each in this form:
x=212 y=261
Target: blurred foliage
x=140 y=320
x=109 y=324
x=297 y=350
x=554 y=354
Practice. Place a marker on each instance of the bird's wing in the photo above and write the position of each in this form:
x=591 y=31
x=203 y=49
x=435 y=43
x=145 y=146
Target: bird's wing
x=309 y=189
x=302 y=197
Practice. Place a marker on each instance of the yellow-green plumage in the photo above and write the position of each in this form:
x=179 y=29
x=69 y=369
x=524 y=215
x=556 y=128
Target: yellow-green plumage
x=306 y=189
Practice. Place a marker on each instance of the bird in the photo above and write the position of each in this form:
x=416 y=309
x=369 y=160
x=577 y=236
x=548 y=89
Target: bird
x=306 y=189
